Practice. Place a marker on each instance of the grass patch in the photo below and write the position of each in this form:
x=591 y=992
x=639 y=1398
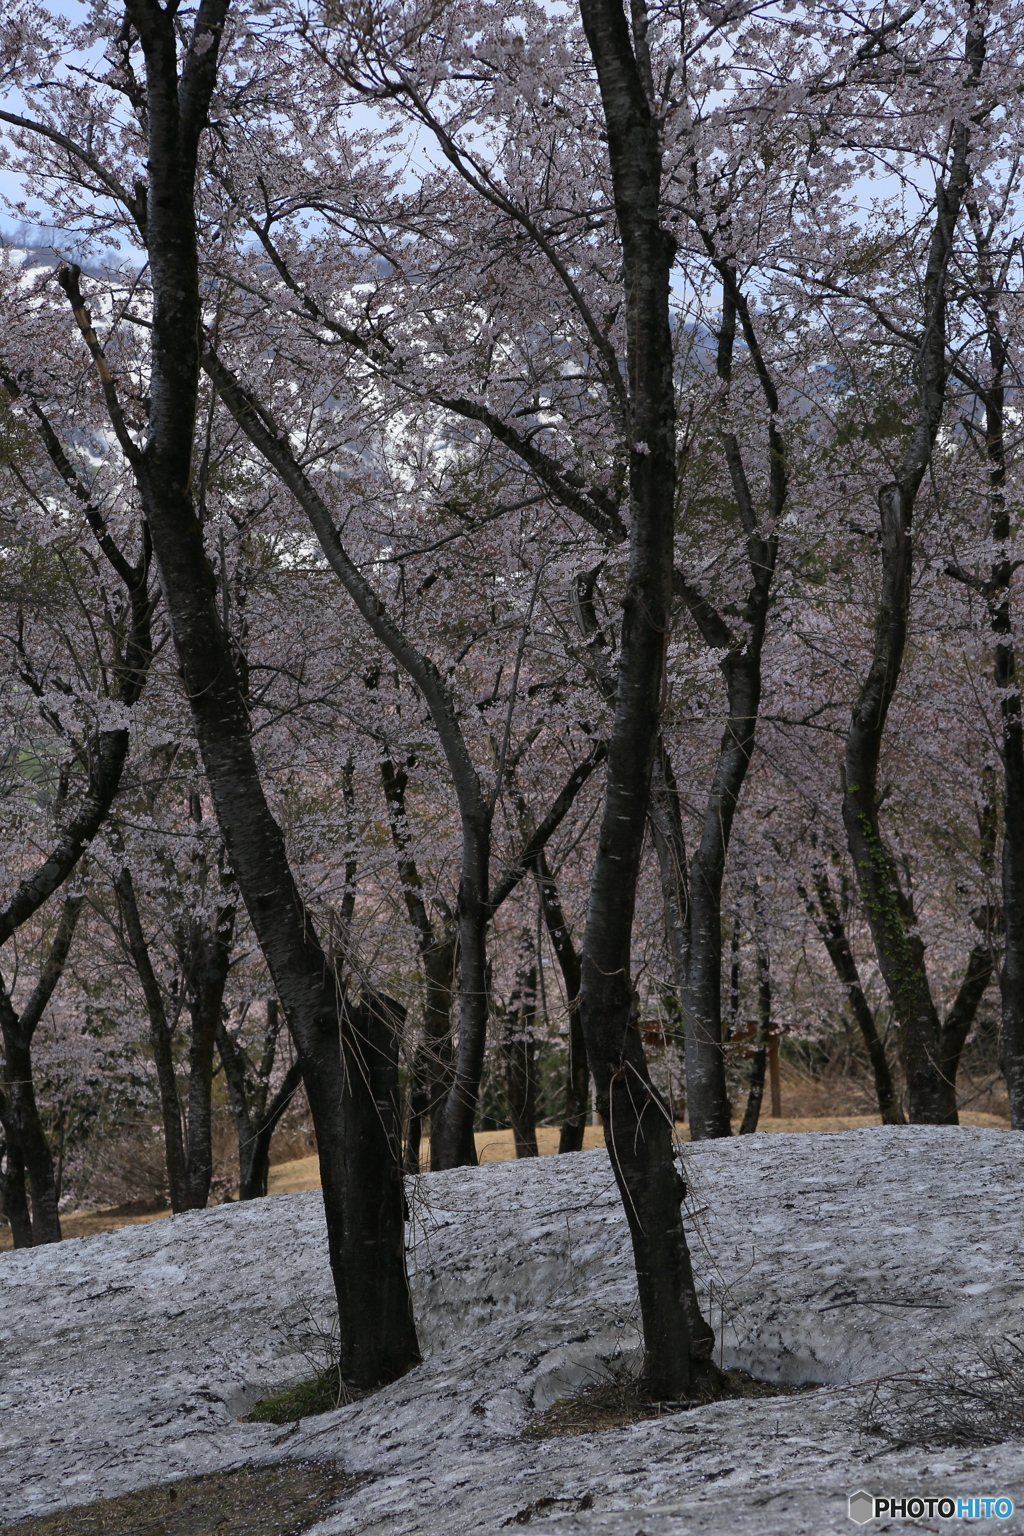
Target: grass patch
x=284 y=1499
x=322 y=1393
x=624 y=1400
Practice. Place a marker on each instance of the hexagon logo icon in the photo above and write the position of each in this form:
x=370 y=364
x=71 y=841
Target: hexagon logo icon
x=862 y=1507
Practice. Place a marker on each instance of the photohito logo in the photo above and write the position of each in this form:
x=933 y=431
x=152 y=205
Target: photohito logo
x=864 y=1507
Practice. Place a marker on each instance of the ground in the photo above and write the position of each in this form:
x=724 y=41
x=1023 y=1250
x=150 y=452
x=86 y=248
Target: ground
x=127 y=1359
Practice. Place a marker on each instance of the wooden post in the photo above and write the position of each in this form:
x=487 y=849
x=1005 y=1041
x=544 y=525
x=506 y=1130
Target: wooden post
x=773 y=1075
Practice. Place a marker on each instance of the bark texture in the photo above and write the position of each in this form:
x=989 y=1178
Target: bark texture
x=577 y=1072
x=638 y=1131
x=755 y=1092
x=828 y=919
x=996 y=591
x=519 y=1051
x=28 y=1151
x=344 y=1051
x=931 y=1091
x=256 y=1112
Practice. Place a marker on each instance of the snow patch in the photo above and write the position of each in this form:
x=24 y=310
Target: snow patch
x=127 y=1358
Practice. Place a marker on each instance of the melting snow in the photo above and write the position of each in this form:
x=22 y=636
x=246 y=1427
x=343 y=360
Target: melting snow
x=127 y=1358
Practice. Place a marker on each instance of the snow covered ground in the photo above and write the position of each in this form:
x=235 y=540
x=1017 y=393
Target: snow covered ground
x=126 y=1359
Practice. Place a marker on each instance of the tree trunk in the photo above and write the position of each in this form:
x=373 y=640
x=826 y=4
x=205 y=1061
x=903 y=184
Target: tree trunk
x=456 y=1145
x=997 y=594
x=338 y=1047
x=256 y=1173
x=419 y=1110
x=898 y=945
x=22 y=1119
x=207 y=976
x=437 y=954
x=670 y=846
x=755 y=1093
x=13 y=1194
x=29 y=1135
x=577 y=1073
x=957 y=1024
x=638 y=1130
x=160 y=1036
x=1011 y=975
x=707 y=1098
x=255 y=1119
x=519 y=1049
x=828 y=920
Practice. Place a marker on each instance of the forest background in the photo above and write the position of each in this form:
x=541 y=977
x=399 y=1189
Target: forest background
x=418 y=477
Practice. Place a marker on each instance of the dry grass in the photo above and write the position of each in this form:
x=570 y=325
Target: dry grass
x=975 y=1402
x=280 y=1500
x=809 y=1105
x=88 y=1223
x=622 y=1400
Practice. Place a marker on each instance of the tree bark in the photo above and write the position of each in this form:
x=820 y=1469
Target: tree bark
x=23 y=1122
x=209 y=956
x=707 y=1100
x=755 y=1093
x=996 y=591
x=339 y=1047
x=437 y=951
x=160 y=1036
x=1011 y=975
x=670 y=846
x=827 y=918
x=957 y=1024
x=519 y=1049
x=255 y=1118
x=638 y=1131
x=419 y=1110
x=13 y=1194
x=901 y=954
x=577 y=1072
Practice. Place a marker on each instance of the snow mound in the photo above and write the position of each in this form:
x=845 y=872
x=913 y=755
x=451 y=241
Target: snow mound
x=127 y=1358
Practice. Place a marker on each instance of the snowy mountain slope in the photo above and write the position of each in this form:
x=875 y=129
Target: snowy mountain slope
x=126 y=1358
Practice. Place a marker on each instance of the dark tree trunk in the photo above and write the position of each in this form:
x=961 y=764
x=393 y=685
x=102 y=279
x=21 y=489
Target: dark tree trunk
x=434 y=1067
x=456 y=1144
x=827 y=918
x=160 y=1036
x=255 y=1174
x=638 y=1131
x=957 y=1024
x=900 y=950
x=340 y=1049
x=577 y=1073
x=22 y=1120
x=670 y=846
x=755 y=1093
x=255 y=1118
x=419 y=1110
x=35 y=1149
x=13 y=1194
x=439 y=965
x=997 y=592
x=1011 y=975
x=707 y=1100
x=207 y=973
x=898 y=945
x=734 y=977
x=519 y=1050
